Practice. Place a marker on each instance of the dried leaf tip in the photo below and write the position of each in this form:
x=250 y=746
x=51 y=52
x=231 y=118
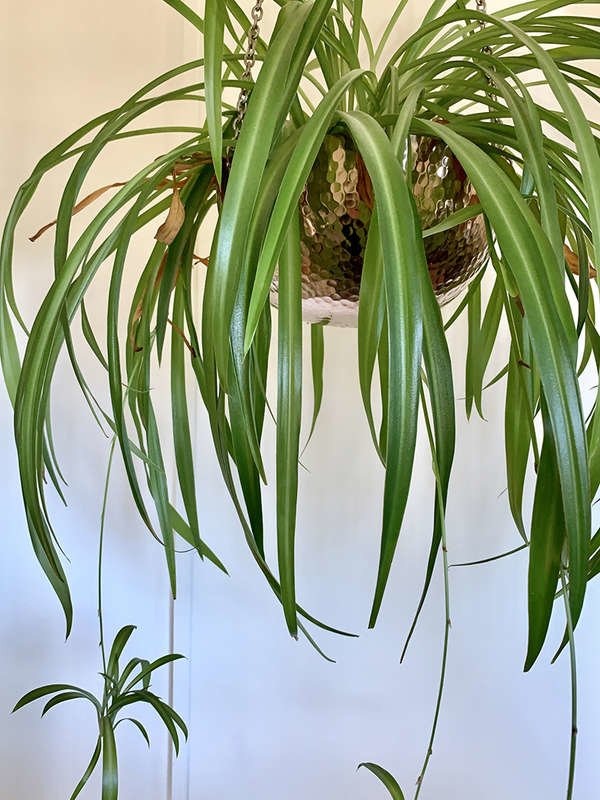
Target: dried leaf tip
x=572 y=260
x=174 y=221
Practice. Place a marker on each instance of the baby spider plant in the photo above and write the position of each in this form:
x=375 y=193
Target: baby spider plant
x=122 y=689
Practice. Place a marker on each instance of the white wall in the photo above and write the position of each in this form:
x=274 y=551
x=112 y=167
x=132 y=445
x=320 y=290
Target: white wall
x=269 y=718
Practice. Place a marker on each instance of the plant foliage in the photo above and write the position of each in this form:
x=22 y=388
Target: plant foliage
x=468 y=78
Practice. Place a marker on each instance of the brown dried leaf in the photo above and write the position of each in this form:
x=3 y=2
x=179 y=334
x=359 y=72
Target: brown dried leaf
x=364 y=185
x=79 y=207
x=573 y=262
x=180 y=333
x=174 y=221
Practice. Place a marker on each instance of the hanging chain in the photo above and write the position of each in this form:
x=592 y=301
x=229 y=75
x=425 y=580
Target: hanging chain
x=482 y=8
x=486 y=50
x=249 y=62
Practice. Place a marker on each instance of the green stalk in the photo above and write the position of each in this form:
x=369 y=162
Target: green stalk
x=448 y=622
x=101 y=550
x=573 y=668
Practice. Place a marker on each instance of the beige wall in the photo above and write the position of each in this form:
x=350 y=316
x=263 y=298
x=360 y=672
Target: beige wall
x=269 y=719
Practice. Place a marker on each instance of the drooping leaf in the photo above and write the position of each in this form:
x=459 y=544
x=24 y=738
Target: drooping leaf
x=289 y=415
x=403 y=253
x=139 y=726
x=548 y=531
x=388 y=780
x=213 y=55
x=552 y=334
x=52 y=688
x=89 y=770
x=64 y=697
x=287 y=53
x=317 y=360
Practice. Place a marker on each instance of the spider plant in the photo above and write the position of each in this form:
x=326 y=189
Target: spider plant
x=122 y=688
x=465 y=77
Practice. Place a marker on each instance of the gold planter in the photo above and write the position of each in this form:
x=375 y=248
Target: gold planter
x=336 y=208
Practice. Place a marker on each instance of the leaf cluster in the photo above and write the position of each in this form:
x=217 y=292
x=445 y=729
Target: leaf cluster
x=123 y=687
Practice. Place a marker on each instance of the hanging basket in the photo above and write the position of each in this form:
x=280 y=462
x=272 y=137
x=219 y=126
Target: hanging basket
x=336 y=208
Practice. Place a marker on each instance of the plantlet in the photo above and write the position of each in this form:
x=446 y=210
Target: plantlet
x=122 y=688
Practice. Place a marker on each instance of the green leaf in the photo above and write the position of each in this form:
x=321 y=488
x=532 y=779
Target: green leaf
x=248 y=474
x=552 y=333
x=528 y=129
x=403 y=255
x=181 y=527
x=289 y=414
x=62 y=698
x=271 y=98
x=488 y=335
x=43 y=348
x=157 y=482
x=138 y=725
x=386 y=778
x=547 y=540
x=110 y=772
x=474 y=317
x=438 y=370
x=169 y=717
x=184 y=456
x=120 y=641
x=52 y=688
x=371 y=314
x=127 y=671
x=383 y=364
x=89 y=770
x=213 y=55
x=183 y=9
x=151 y=667
x=517 y=440
x=453 y=220
x=317 y=358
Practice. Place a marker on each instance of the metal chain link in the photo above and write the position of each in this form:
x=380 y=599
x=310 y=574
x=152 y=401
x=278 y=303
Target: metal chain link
x=249 y=62
x=482 y=8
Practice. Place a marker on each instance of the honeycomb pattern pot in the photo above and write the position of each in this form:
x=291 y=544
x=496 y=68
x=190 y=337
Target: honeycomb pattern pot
x=336 y=208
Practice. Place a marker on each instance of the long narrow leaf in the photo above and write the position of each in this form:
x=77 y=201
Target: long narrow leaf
x=547 y=539
x=527 y=251
x=289 y=415
x=89 y=769
x=213 y=55
x=403 y=253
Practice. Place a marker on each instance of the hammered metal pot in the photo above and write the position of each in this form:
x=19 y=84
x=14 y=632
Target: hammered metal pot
x=336 y=208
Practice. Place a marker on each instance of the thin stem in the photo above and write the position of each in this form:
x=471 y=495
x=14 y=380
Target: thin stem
x=573 y=664
x=448 y=622
x=170 y=695
x=101 y=550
